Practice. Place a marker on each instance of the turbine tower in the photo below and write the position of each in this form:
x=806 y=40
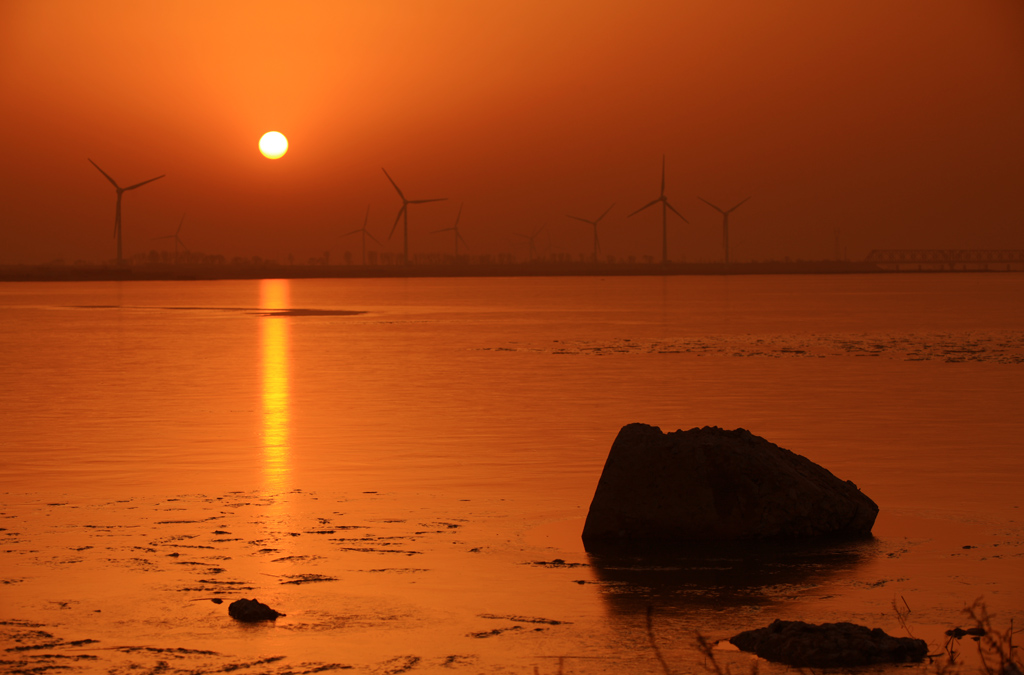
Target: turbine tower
x=725 y=223
x=597 y=245
x=366 y=233
x=665 y=206
x=458 y=235
x=531 y=238
x=117 y=211
x=176 y=238
x=403 y=215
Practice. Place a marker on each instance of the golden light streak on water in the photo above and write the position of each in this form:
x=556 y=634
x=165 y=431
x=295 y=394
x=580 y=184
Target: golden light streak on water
x=274 y=355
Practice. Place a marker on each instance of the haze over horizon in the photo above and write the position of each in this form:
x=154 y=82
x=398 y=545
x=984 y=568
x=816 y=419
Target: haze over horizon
x=901 y=124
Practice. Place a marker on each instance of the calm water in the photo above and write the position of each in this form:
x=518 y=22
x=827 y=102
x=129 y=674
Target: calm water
x=503 y=396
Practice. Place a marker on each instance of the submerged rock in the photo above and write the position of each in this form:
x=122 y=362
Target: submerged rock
x=251 y=610
x=712 y=484
x=828 y=645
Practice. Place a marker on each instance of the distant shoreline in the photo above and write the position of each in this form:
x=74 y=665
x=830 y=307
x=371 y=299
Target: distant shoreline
x=172 y=272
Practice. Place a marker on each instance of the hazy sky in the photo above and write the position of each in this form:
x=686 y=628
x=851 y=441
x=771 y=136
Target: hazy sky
x=899 y=122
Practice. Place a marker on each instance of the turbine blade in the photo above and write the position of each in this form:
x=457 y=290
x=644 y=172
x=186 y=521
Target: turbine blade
x=444 y=229
x=459 y=236
x=132 y=187
x=582 y=220
x=366 y=218
x=457 y=216
x=713 y=206
x=397 y=189
x=104 y=173
x=675 y=212
x=397 y=218
x=424 y=201
x=604 y=214
x=374 y=238
x=348 y=234
x=737 y=206
x=644 y=207
x=179 y=225
x=663 y=175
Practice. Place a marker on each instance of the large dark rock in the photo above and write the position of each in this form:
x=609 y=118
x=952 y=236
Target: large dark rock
x=252 y=610
x=828 y=645
x=710 y=484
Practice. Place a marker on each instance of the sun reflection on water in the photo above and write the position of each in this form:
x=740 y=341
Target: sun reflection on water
x=274 y=354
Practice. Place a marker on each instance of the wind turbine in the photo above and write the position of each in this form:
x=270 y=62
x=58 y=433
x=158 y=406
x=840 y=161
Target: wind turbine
x=725 y=223
x=458 y=235
x=597 y=245
x=531 y=238
x=177 y=239
x=117 y=211
x=366 y=233
x=403 y=214
x=665 y=206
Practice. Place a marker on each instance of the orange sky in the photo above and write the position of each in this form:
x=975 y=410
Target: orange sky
x=900 y=122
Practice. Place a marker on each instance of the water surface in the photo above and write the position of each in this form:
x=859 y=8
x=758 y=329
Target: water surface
x=414 y=409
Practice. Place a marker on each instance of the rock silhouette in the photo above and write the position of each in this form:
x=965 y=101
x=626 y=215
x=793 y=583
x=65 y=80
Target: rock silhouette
x=712 y=484
x=251 y=610
x=828 y=645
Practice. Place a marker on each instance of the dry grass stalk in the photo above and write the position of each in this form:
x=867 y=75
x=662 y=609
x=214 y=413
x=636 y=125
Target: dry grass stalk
x=996 y=650
x=654 y=643
x=902 y=614
x=710 y=663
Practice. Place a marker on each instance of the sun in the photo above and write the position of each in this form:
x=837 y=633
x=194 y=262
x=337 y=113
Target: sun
x=273 y=145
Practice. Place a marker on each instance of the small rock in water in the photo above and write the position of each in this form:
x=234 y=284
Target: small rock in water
x=828 y=645
x=252 y=610
x=958 y=632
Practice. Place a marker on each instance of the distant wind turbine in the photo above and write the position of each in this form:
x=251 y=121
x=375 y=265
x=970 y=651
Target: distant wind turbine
x=458 y=235
x=176 y=238
x=366 y=233
x=665 y=206
x=532 y=238
x=597 y=245
x=725 y=223
x=117 y=211
x=403 y=215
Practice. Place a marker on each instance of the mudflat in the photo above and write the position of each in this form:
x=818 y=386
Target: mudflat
x=386 y=583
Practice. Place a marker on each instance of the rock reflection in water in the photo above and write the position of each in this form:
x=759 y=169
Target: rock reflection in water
x=720 y=575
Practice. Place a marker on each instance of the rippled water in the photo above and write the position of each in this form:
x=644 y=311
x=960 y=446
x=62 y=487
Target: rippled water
x=465 y=422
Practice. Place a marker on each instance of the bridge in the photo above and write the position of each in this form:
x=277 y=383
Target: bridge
x=964 y=259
